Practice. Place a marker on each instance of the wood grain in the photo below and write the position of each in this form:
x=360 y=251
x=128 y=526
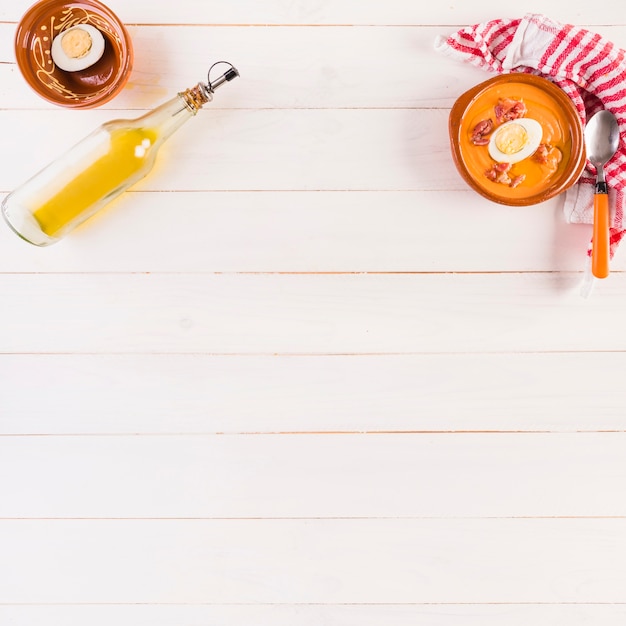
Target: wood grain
x=254 y=476
x=290 y=67
x=314 y=561
x=302 y=375
x=328 y=12
x=577 y=614
x=202 y=394
x=265 y=150
x=303 y=314
x=312 y=231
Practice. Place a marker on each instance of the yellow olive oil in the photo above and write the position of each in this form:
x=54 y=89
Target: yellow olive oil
x=129 y=149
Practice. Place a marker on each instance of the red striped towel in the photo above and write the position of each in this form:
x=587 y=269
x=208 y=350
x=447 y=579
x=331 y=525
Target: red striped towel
x=591 y=70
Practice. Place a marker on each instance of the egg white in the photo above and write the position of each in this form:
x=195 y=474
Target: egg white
x=530 y=134
x=69 y=64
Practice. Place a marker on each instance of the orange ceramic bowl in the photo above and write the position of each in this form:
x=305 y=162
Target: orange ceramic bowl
x=561 y=128
x=79 y=90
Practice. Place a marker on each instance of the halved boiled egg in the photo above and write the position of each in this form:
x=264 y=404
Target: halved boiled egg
x=77 y=48
x=516 y=140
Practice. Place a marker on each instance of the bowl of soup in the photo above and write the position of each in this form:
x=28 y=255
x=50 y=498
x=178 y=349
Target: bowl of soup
x=517 y=139
x=73 y=53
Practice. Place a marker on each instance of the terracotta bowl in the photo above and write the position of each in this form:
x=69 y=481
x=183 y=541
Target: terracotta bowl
x=84 y=89
x=545 y=102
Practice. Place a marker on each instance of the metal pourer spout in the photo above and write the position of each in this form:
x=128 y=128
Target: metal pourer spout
x=227 y=76
x=203 y=92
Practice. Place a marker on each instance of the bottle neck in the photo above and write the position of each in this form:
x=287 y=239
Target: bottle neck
x=167 y=118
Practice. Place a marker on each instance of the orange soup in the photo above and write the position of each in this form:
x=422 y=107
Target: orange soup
x=532 y=174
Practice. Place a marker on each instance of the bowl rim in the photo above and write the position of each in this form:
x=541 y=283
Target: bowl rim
x=576 y=126
x=22 y=50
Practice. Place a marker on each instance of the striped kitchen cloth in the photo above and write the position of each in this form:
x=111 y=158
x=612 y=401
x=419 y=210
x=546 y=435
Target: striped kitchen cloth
x=590 y=69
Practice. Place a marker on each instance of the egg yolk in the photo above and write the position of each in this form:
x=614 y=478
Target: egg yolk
x=511 y=139
x=76 y=43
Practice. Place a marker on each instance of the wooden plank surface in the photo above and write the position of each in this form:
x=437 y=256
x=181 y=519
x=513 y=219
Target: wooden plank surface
x=203 y=394
x=356 y=67
x=330 y=12
x=577 y=614
x=302 y=374
x=311 y=231
x=323 y=68
x=335 y=561
x=304 y=313
x=389 y=476
x=325 y=150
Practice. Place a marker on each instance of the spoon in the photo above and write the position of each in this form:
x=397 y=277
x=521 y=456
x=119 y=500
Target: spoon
x=601 y=142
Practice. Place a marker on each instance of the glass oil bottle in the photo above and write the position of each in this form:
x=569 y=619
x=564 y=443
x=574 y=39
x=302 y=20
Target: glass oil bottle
x=100 y=167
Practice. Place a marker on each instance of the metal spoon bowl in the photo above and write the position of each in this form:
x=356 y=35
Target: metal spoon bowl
x=601 y=143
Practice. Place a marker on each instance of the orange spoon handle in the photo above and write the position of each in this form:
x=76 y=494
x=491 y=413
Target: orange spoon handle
x=600 y=243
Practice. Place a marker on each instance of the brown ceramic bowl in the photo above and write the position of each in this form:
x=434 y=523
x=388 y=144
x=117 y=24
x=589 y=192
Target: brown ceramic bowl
x=561 y=127
x=84 y=89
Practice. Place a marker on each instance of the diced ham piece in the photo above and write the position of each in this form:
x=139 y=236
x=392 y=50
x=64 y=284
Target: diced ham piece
x=480 y=133
x=509 y=109
x=517 y=180
x=500 y=173
x=547 y=153
x=541 y=155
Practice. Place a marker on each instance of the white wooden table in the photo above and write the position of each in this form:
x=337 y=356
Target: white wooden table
x=302 y=375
